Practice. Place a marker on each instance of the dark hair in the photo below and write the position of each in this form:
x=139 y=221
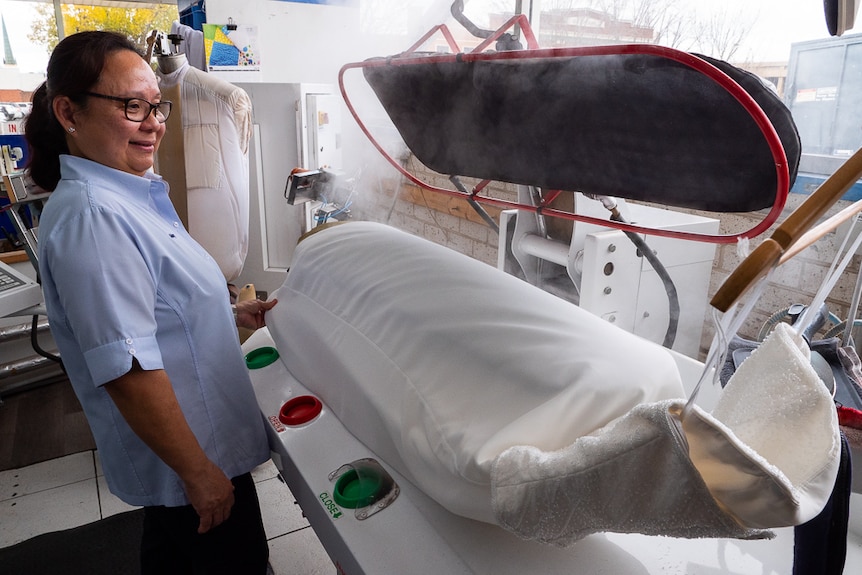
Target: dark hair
x=74 y=67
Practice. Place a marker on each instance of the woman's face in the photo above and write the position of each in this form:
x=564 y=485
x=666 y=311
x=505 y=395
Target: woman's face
x=101 y=131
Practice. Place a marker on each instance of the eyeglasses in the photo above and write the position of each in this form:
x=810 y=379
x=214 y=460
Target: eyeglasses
x=138 y=109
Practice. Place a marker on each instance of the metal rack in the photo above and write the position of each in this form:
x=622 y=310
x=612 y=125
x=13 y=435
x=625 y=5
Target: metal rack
x=20 y=370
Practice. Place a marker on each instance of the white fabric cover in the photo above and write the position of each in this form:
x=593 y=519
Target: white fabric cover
x=216 y=135
x=439 y=362
x=511 y=406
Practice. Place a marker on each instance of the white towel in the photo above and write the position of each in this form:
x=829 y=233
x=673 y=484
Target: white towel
x=633 y=476
x=767 y=457
x=777 y=407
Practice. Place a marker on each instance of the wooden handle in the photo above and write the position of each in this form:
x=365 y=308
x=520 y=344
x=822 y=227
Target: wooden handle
x=794 y=229
x=820 y=230
x=829 y=192
x=755 y=266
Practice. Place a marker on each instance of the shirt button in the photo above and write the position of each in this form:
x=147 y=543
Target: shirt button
x=132 y=351
x=176 y=224
x=129 y=340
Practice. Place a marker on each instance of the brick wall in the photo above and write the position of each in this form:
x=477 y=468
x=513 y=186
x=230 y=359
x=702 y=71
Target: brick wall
x=443 y=219
x=452 y=222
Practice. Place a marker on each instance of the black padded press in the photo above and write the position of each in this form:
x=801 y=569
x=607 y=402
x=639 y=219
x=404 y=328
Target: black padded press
x=635 y=126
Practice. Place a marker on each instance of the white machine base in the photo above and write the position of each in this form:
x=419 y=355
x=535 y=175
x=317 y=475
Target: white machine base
x=416 y=535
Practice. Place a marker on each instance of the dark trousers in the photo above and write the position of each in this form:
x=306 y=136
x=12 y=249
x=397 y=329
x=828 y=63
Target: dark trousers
x=171 y=545
x=820 y=546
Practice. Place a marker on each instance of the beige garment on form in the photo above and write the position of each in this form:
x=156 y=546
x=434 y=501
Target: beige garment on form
x=171 y=159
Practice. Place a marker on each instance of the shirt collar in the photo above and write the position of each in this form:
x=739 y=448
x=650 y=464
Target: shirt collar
x=138 y=188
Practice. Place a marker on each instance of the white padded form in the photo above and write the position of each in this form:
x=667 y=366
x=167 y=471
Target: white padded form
x=439 y=363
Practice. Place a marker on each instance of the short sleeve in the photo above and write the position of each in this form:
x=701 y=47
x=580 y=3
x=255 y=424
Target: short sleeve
x=105 y=291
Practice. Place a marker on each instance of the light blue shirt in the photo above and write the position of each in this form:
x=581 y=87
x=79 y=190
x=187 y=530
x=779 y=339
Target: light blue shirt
x=123 y=279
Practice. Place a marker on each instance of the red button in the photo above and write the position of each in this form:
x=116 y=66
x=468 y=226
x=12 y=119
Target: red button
x=299 y=410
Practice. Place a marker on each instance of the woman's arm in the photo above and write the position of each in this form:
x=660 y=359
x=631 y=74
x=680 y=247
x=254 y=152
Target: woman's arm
x=147 y=402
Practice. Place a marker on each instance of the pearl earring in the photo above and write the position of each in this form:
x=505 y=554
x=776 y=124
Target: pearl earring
x=71 y=129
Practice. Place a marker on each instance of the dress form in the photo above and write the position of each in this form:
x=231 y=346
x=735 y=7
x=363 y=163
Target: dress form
x=171 y=63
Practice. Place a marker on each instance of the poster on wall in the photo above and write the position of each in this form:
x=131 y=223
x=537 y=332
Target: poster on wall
x=231 y=47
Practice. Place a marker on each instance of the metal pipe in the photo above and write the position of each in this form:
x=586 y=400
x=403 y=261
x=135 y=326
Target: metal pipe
x=545 y=249
x=25 y=365
x=21 y=330
x=456 y=181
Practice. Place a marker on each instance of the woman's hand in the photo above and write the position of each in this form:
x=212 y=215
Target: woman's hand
x=211 y=495
x=250 y=313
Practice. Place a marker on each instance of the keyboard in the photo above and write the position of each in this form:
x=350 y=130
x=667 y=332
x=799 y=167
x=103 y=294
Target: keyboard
x=17 y=291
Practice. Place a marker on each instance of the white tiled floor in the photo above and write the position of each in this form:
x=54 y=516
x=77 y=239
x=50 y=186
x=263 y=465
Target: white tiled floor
x=71 y=491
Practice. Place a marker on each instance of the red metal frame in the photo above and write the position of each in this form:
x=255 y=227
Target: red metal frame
x=534 y=52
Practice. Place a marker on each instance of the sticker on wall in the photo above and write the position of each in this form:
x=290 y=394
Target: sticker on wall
x=231 y=47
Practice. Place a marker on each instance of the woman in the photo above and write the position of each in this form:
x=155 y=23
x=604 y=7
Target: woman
x=141 y=316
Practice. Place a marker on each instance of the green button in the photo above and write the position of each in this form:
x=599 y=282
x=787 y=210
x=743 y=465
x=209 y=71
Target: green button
x=353 y=490
x=261 y=357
